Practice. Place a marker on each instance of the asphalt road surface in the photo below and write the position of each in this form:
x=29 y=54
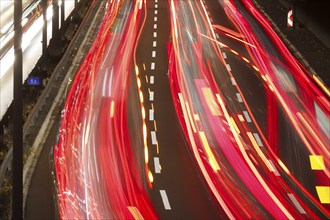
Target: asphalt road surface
x=186 y=191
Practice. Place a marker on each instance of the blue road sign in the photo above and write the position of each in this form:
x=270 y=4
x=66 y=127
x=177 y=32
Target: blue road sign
x=33 y=81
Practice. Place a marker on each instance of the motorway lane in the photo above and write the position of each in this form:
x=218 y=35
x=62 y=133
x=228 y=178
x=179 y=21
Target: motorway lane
x=293 y=150
x=249 y=81
x=221 y=158
x=253 y=92
x=187 y=194
x=42 y=190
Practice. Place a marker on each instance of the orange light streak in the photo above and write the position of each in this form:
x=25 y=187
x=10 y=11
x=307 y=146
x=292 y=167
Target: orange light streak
x=241 y=118
x=318 y=81
x=251 y=165
x=135 y=212
x=228 y=31
x=112 y=109
x=201 y=165
x=213 y=162
x=260 y=153
x=190 y=118
x=234 y=125
x=234 y=52
x=246 y=60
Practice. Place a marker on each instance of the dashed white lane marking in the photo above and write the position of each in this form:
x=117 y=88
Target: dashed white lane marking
x=153 y=137
x=233 y=82
x=259 y=142
x=155 y=18
x=296 y=203
x=274 y=168
x=156 y=12
x=247 y=116
x=154 y=43
x=153 y=54
x=228 y=67
x=151 y=96
x=152 y=67
x=155 y=26
x=224 y=55
x=165 y=200
x=156 y=1
x=155 y=34
x=239 y=97
x=151 y=114
x=156 y=6
x=157 y=164
x=217 y=35
x=152 y=79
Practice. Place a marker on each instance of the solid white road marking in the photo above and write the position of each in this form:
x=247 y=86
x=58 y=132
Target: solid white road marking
x=153 y=54
x=152 y=66
x=296 y=203
x=247 y=116
x=165 y=200
x=154 y=43
x=239 y=97
x=151 y=114
x=259 y=142
x=153 y=137
x=157 y=165
x=152 y=79
x=151 y=96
